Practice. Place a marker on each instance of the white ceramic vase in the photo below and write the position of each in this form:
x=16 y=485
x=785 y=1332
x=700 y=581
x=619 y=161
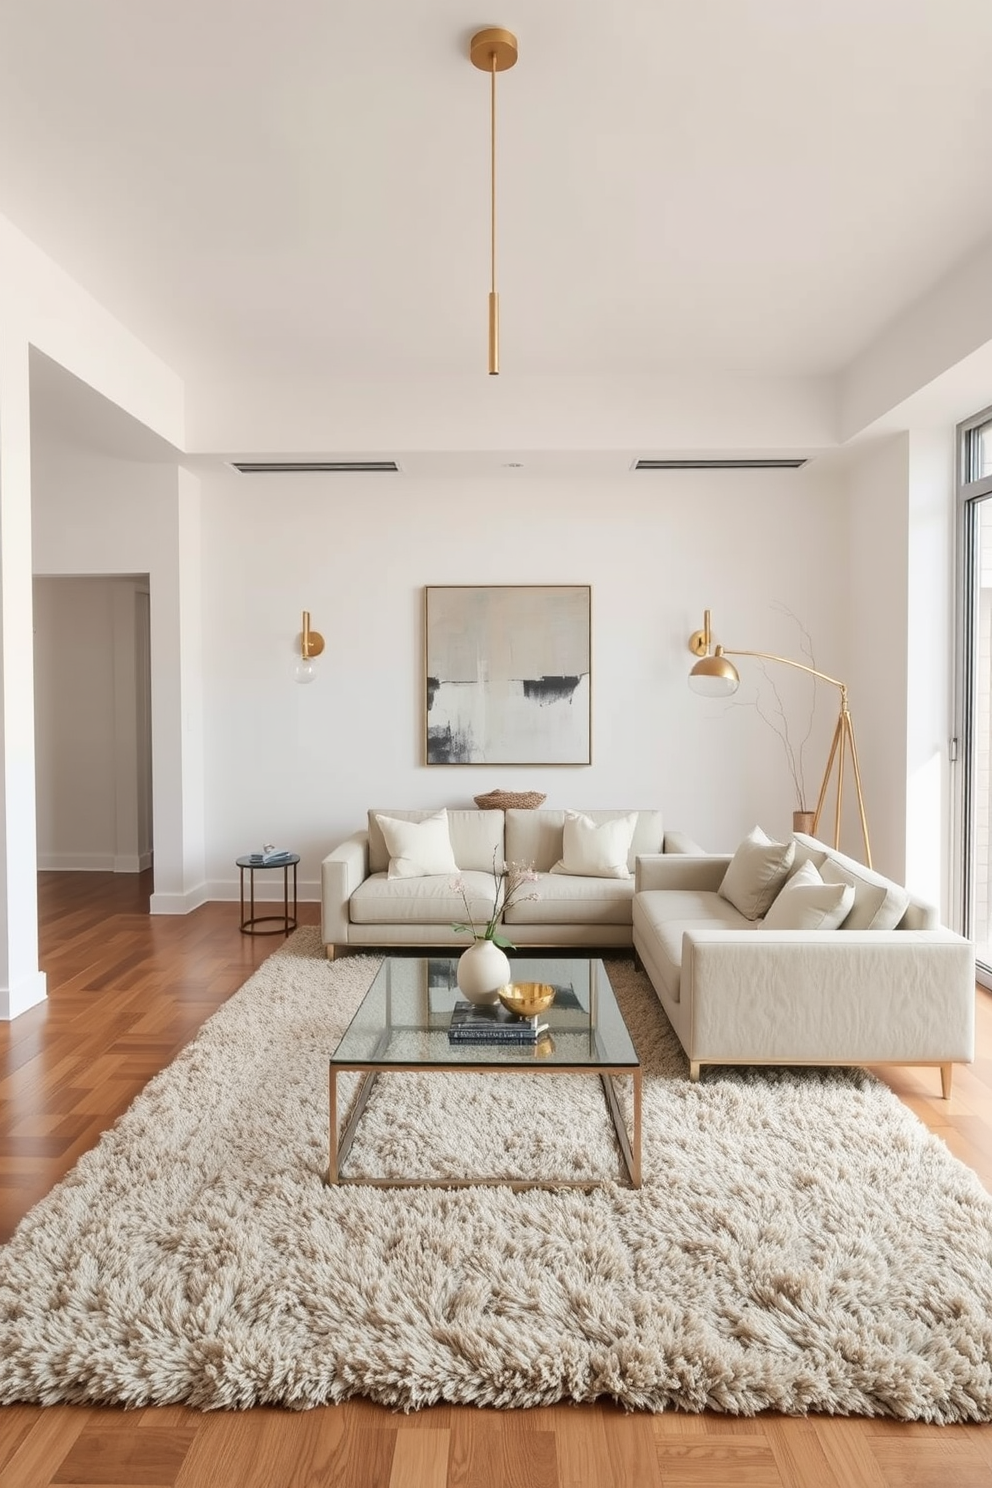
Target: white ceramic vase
x=482 y=967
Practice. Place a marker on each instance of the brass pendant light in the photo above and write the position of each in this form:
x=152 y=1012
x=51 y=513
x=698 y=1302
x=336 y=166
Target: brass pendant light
x=493 y=50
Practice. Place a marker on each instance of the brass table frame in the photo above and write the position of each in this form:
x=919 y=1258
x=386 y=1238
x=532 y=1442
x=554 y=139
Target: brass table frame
x=630 y=1143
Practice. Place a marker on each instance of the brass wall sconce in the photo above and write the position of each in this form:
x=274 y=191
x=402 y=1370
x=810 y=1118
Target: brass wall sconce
x=311 y=645
x=493 y=50
x=714 y=676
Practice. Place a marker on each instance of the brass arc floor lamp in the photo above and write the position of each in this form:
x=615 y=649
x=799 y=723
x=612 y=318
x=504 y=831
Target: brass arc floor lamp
x=714 y=676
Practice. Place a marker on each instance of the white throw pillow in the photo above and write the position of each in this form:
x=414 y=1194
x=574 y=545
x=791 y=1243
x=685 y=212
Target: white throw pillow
x=755 y=873
x=805 y=902
x=418 y=849
x=596 y=849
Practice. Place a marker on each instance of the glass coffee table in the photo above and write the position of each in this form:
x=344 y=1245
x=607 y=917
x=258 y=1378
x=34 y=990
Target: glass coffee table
x=402 y=1024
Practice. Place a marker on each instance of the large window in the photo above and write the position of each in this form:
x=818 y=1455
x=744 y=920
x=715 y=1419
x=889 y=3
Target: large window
x=975 y=673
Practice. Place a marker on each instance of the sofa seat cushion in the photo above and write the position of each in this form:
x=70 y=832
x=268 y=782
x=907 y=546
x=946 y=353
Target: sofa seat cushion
x=426 y=901
x=568 y=899
x=663 y=915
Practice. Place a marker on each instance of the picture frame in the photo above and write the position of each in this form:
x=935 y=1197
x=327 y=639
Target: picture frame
x=508 y=674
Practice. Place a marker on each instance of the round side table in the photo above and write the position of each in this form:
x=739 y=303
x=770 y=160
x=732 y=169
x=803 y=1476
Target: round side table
x=278 y=924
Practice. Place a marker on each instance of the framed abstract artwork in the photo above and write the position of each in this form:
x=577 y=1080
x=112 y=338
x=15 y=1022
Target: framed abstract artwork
x=508 y=674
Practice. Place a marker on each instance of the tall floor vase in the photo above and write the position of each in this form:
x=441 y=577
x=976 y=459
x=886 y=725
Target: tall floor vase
x=481 y=969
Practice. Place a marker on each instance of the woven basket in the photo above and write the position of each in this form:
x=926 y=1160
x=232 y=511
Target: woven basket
x=497 y=800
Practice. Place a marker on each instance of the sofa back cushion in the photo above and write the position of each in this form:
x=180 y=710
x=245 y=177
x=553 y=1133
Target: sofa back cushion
x=475 y=836
x=879 y=903
x=537 y=837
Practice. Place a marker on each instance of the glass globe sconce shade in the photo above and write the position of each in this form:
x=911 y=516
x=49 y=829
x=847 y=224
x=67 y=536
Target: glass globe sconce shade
x=311 y=645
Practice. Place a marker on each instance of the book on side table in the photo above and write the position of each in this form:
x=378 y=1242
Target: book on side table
x=492 y=1025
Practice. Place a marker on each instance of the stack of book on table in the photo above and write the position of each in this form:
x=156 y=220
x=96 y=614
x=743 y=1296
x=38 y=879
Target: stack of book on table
x=268 y=856
x=492 y=1025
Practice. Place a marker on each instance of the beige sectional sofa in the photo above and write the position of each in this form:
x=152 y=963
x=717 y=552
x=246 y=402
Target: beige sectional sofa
x=362 y=907
x=738 y=993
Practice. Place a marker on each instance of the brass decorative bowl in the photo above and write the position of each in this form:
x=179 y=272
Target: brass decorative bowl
x=526 y=999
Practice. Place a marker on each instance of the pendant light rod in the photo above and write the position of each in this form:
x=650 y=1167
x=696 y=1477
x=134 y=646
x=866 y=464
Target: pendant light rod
x=492 y=178
x=493 y=293
x=493 y=50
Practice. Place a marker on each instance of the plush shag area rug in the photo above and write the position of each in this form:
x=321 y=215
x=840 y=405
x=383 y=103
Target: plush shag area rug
x=801 y=1242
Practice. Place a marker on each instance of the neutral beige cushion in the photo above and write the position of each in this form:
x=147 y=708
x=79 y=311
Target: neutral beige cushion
x=756 y=872
x=596 y=849
x=663 y=916
x=420 y=901
x=805 y=902
x=535 y=837
x=475 y=837
x=418 y=849
x=879 y=904
x=567 y=900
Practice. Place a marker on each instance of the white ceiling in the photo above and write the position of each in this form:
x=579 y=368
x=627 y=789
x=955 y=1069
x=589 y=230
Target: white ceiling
x=294 y=188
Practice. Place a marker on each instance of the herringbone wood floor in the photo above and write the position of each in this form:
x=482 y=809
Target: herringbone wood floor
x=126 y=992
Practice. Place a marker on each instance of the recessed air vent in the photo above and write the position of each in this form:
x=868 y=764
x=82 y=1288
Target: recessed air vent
x=313 y=467
x=760 y=464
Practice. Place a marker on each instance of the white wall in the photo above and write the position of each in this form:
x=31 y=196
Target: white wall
x=22 y=983
x=875 y=601
x=301 y=765
x=96 y=515
x=930 y=652
x=901 y=493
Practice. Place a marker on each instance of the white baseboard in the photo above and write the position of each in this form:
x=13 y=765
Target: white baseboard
x=25 y=994
x=76 y=862
x=178 y=904
x=268 y=890
x=94 y=862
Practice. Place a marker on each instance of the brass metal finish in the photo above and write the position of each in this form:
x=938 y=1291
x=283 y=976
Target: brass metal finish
x=493 y=334
x=311 y=641
x=946 y=1069
x=699 y=641
x=629 y=1142
x=526 y=999
x=399 y=1001
x=493 y=50
x=716 y=665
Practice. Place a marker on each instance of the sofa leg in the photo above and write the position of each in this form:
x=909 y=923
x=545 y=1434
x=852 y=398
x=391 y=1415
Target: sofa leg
x=330 y=952
x=694 y=1069
x=946 y=1072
